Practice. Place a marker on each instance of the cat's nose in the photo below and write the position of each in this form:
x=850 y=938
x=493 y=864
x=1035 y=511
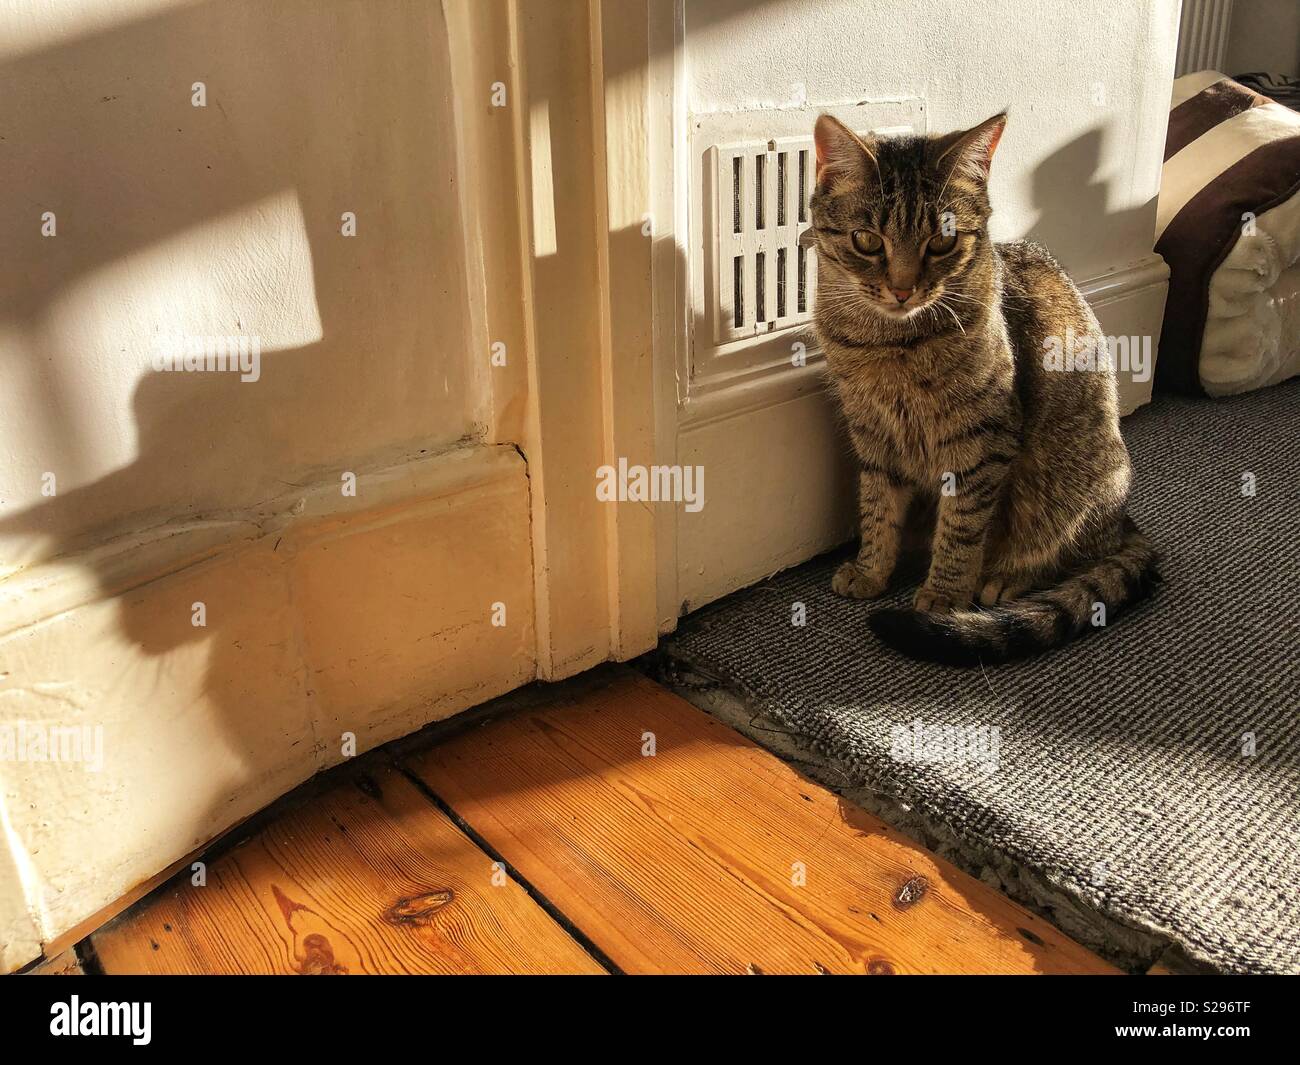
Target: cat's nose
x=903 y=294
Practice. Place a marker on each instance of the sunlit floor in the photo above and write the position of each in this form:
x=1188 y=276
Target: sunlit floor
x=613 y=828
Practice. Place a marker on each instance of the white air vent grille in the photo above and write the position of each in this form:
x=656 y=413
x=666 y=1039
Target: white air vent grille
x=761 y=280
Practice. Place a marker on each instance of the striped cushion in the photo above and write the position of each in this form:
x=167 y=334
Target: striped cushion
x=1228 y=224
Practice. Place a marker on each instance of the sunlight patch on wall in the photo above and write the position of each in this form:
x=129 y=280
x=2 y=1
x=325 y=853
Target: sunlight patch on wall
x=247 y=274
x=27 y=27
x=539 y=124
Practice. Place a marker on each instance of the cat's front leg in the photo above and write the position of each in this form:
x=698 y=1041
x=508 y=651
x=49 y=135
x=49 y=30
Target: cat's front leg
x=882 y=506
x=966 y=505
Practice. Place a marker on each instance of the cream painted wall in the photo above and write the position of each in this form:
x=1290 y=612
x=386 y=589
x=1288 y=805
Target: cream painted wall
x=222 y=219
x=1087 y=86
x=1264 y=36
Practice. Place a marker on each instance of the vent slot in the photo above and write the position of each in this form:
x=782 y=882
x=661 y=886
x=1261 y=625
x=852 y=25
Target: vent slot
x=736 y=195
x=781 y=157
x=803 y=186
x=780 y=282
x=759 y=209
x=738 y=287
x=803 y=280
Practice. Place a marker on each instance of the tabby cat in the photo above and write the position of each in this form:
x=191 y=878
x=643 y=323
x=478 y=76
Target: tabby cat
x=935 y=339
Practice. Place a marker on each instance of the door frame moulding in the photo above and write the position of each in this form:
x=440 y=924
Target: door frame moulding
x=621 y=96
x=566 y=289
x=669 y=137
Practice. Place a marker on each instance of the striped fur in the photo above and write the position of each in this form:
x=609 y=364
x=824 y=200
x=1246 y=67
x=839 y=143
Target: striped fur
x=951 y=410
x=1032 y=624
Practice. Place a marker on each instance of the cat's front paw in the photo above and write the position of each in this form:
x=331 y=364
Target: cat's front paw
x=852 y=582
x=997 y=590
x=932 y=601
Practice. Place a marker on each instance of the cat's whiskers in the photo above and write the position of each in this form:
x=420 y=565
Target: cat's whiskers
x=940 y=303
x=961 y=297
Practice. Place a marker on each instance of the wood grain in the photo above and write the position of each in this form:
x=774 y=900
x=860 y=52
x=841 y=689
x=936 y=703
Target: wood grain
x=369 y=877
x=689 y=860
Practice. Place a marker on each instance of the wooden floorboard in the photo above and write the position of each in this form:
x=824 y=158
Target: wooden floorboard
x=708 y=855
x=369 y=877
x=712 y=855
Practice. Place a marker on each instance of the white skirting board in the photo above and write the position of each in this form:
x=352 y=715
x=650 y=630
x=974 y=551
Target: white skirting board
x=368 y=615
x=1130 y=302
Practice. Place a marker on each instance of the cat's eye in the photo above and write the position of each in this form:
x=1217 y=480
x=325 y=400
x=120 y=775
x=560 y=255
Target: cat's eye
x=867 y=243
x=941 y=244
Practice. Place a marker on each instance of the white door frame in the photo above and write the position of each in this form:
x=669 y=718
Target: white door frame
x=566 y=289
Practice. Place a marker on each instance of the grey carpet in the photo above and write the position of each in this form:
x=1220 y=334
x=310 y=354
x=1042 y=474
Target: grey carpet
x=1120 y=772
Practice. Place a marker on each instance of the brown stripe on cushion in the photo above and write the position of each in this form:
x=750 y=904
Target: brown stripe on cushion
x=1201 y=113
x=1200 y=237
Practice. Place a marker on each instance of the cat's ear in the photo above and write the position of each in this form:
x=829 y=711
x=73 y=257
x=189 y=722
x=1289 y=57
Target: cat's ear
x=972 y=150
x=839 y=149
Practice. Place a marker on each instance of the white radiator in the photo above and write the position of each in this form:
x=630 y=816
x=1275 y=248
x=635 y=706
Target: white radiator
x=1203 y=36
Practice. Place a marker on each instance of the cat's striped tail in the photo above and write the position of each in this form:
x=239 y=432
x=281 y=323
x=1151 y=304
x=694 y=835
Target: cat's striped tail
x=1033 y=624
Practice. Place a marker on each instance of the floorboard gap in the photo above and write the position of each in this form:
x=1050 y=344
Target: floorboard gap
x=553 y=911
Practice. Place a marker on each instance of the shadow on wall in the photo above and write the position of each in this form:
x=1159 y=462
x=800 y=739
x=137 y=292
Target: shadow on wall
x=1069 y=176
x=339 y=107
x=312 y=110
